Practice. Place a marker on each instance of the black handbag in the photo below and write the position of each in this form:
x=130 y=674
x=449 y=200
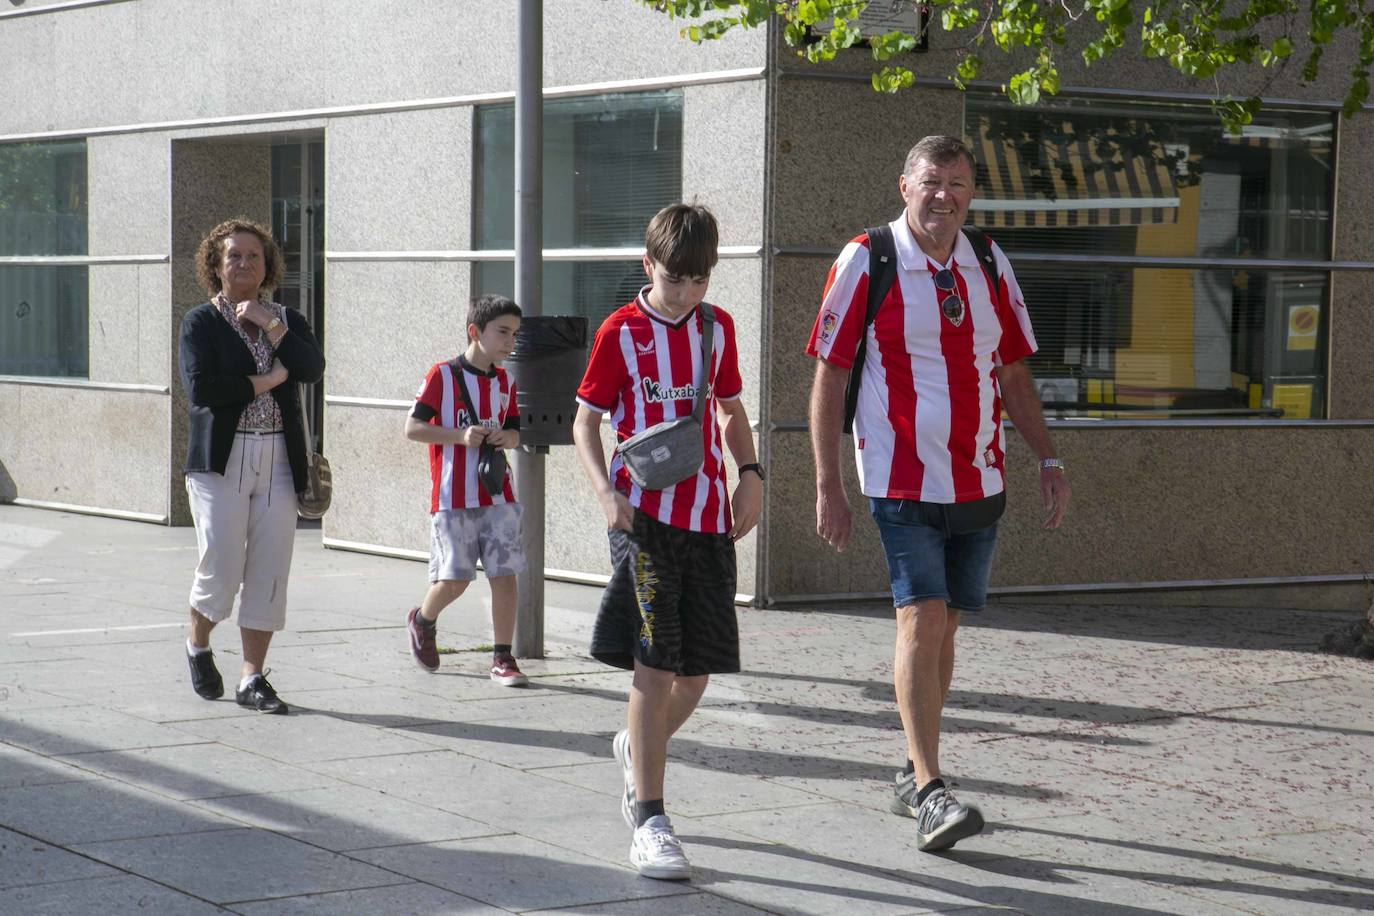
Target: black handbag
x=965 y=517
x=491 y=461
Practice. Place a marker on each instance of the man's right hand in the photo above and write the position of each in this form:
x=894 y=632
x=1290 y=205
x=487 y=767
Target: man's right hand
x=474 y=436
x=617 y=509
x=832 y=516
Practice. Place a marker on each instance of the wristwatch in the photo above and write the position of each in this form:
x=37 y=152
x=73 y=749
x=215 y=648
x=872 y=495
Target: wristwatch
x=1048 y=463
x=756 y=468
x=273 y=324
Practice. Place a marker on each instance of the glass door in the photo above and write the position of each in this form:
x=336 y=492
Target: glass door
x=298 y=224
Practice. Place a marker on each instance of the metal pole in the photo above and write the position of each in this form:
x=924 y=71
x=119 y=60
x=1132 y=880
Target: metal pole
x=529 y=294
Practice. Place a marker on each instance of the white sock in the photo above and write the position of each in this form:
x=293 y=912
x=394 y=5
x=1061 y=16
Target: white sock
x=243 y=684
x=194 y=649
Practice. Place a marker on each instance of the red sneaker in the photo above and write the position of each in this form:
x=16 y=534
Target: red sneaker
x=422 y=645
x=506 y=672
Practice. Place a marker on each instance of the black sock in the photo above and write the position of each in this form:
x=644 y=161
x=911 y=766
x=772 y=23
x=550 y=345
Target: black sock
x=936 y=783
x=500 y=649
x=910 y=768
x=647 y=809
x=427 y=624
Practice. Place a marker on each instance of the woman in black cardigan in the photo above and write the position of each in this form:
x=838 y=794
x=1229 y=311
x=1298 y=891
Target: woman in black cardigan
x=241 y=357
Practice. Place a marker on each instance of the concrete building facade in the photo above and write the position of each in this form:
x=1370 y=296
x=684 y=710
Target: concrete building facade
x=1203 y=325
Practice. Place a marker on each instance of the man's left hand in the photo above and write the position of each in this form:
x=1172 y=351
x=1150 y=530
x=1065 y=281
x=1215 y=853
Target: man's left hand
x=1054 y=487
x=746 y=504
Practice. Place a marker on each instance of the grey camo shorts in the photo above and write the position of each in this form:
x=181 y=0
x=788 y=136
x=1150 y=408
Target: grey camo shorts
x=459 y=537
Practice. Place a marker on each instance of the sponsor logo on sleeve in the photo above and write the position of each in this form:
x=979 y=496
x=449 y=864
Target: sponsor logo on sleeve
x=828 y=325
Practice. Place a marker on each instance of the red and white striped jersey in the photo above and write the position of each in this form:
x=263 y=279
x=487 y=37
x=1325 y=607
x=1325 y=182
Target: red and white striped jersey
x=928 y=421
x=453 y=468
x=644 y=370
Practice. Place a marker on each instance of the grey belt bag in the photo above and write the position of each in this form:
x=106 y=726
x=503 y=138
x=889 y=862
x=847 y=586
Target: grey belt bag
x=670 y=452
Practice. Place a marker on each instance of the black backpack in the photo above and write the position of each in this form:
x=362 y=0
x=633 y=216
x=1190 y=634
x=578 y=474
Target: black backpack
x=882 y=270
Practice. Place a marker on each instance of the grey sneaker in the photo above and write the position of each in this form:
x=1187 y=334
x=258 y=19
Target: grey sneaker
x=657 y=852
x=942 y=821
x=620 y=746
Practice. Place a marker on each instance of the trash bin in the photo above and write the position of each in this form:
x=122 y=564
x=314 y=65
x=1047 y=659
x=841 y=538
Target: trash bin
x=547 y=364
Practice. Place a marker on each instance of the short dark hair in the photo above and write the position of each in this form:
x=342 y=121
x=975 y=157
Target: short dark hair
x=211 y=249
x=939 y=150
x=683 y=238
x=486 y=309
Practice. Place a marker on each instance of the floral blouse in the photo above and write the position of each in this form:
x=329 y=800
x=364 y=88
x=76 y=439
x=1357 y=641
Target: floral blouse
x=262 y=414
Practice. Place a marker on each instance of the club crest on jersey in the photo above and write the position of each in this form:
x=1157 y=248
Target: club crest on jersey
x=828 y=325
x=654 y=393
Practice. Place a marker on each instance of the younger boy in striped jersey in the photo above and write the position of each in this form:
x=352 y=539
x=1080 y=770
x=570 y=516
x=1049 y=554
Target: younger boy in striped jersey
x=668 y=612
x=467 y=522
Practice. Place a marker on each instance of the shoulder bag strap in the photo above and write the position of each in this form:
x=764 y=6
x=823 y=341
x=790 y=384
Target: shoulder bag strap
x=305 y=420
x=982 y=246
x=882 y=270
x=462 y=387
x=708 y=344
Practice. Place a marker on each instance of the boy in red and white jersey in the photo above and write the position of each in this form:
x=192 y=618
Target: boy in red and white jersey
x=467 y=522
x=668 y=612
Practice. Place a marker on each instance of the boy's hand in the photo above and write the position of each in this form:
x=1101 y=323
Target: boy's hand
x=474 y=436
x=498 y=438
x=619 y=513
x=746 y=505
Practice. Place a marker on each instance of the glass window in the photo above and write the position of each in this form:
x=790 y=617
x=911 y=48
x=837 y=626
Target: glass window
x=1109 y=179
x=610 y=163
x=43 y=213
x=43 y=320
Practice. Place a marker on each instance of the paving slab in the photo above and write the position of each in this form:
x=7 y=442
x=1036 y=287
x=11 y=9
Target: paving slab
x=346 y=818
x=116 y=895
x=225 y=866
x=1082 y=731
x=518 y=873
x=100 y=809
x=25 y=861
x=413 y=899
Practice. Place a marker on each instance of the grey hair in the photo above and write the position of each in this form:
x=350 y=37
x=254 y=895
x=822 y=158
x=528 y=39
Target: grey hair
x=939 y=150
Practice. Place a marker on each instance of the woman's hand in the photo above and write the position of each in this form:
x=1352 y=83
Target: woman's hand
x=251 y=311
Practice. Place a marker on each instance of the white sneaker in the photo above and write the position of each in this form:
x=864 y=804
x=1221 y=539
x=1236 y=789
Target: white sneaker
x=657 y=852
x=620 y=746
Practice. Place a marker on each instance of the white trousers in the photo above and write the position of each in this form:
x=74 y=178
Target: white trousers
x=246 y=527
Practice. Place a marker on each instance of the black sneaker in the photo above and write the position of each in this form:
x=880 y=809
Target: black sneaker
x=205 y=679
x=259 y=695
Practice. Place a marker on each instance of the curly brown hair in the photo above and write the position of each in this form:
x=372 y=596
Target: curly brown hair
x=209 y=252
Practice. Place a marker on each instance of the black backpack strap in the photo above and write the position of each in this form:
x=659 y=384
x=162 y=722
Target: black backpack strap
x=982 y=246
x=882 y=270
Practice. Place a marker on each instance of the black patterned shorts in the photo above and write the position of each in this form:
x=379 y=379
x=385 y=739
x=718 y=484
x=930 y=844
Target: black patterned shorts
x=670 y=603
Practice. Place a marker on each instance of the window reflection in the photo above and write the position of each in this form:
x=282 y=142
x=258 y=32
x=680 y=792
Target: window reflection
x=610 y=163
x=1114 y=179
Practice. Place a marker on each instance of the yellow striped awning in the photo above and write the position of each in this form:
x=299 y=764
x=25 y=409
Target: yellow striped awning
x=1065 y=176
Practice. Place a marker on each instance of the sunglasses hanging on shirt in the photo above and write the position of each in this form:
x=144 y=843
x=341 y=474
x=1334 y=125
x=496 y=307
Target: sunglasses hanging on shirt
x=951 y=306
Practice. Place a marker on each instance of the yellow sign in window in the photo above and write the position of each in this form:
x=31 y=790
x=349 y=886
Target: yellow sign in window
x=1296 y=401
x=1303 y=321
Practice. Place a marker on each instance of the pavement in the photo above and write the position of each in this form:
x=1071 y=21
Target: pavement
x=1128 y=759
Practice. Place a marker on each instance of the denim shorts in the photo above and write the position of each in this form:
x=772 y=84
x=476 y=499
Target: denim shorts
x=926 y=562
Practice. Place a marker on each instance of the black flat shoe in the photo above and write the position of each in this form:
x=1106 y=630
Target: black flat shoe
x=259 y=695
x=205 y=679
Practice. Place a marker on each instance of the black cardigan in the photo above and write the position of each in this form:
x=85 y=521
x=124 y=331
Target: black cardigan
x=215 y=365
